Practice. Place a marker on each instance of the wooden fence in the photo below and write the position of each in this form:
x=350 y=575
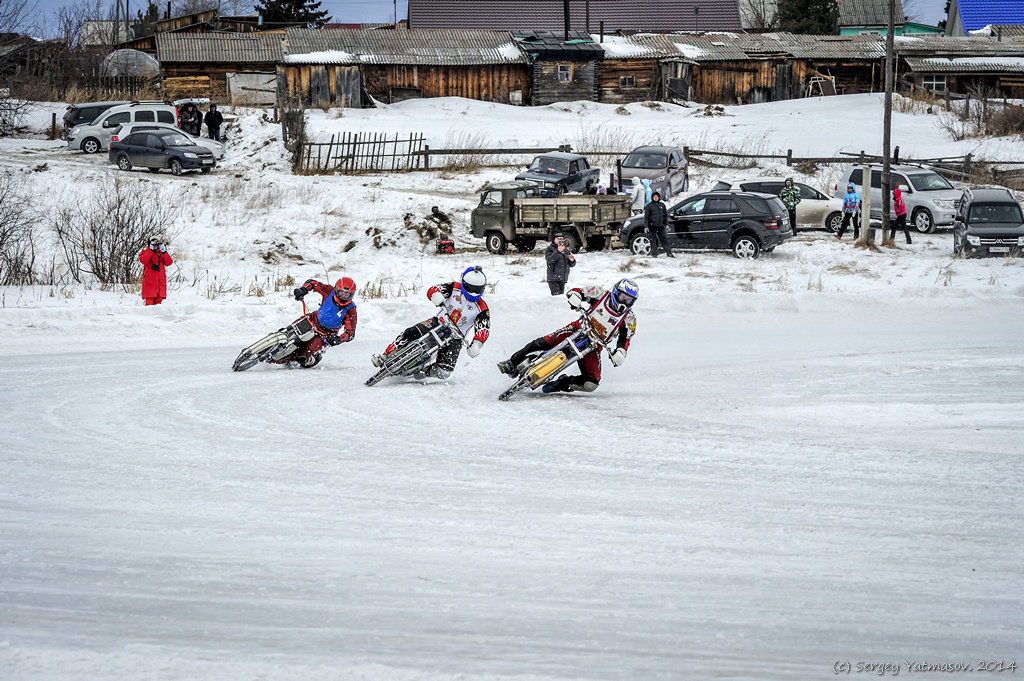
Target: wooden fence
x=354 y=153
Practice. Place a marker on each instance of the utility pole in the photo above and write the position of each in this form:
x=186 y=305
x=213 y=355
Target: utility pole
x=890 y=61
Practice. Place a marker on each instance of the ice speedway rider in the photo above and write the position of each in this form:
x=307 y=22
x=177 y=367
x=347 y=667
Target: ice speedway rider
x=462 y=301
x=334 y=321
x=610 y=316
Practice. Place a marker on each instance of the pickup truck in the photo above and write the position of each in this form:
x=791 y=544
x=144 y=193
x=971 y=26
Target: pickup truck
x=515 y=212
x=561 y=172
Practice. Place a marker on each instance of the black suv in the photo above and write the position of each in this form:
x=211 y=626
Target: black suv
x=156 y=149
x=745 y=223
x=988 y=222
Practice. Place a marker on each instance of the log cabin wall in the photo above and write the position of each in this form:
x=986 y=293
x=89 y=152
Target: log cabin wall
x=622 y=81
x=205 y=80
x=549 y=85
x=489 y=83
x=320 y=84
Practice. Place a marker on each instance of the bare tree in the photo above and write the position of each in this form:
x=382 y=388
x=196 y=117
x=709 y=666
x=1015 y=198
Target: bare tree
x=17 y=233
x=760 y=15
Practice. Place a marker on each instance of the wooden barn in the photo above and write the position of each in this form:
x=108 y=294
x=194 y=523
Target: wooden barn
x=207 y=21
x=733 y=68
x=226 y=67
x=393 y=65
x=563 y=70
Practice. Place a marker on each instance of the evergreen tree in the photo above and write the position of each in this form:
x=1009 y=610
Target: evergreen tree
x=145 y=24
x=279 y=12
x=812 y=17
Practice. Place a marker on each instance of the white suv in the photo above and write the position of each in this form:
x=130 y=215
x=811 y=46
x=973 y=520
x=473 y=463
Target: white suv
x=95 y=136
x=814 y=211
x=930 y=199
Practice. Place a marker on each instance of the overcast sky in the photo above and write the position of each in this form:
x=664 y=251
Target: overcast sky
x=366 y=11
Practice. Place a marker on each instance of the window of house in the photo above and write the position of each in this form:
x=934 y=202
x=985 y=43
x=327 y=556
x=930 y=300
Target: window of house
x=565 y=73
x=934 y=83
x=627 y=81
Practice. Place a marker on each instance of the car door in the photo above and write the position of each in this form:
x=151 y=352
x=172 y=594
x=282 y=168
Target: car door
x=110 y=125
x=572 y=182
x=154 y=151
x=676 y=171
x=720 y=213
x=813 y=207
x=684 y=223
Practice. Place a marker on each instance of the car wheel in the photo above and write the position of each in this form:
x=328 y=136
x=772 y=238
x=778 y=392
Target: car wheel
x=496 y=242
x=746 y=247
x=175 y=166
x=560 y=189
x=640 y=244
x=90 y=145
x=923 y=221
x=124 y=163
x=833 y=222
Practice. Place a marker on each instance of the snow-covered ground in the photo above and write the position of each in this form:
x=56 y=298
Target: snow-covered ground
x=808 y=459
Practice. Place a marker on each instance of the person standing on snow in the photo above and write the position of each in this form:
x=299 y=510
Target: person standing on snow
x=559 y=259
x=213 y=119
x=155 y=260
x=638 y=195
x=851 y=212
x=460 y=301
x=611 y=315
x=901 y=215
x=334 y=321
x=790 y=196
x=656 y=219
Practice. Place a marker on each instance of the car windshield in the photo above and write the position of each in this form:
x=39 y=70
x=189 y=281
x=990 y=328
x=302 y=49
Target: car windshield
x=176 y=140
x=645 y=160
x=929 y=182
x=995 y=213
x=553 y=166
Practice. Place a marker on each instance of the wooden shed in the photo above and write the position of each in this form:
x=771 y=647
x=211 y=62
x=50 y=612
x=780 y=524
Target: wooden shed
x=396 y=64
x=563 y=70
x=226 y=67
x=957 y=65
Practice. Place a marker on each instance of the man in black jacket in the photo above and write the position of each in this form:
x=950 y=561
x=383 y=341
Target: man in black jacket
x=656 y=219
x=214 y=119
x=559 y=259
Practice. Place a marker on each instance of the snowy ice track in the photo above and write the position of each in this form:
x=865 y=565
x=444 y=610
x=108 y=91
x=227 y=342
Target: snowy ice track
x=756 y=509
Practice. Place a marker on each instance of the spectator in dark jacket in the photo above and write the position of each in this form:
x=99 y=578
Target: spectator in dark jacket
x=213 y=119
x=559 y=259
x=191 y=119
x=656 y=219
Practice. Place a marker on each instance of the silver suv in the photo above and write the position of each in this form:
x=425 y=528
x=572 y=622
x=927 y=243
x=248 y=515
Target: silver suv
x=988 y=222
x=930 y=199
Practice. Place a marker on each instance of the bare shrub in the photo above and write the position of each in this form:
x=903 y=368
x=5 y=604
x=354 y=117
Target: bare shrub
x=101 y=237
x=17 y=237
x=468 y=161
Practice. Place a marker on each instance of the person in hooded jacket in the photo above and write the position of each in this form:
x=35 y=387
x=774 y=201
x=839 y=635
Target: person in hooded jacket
x=790 y=196
x=559 y=259
x=900 y=209
x=190 y=119
x=334 y=321
x=638 y=195
x=155 y=260
x=656 y=219
x=213 y=119
x=851 y=212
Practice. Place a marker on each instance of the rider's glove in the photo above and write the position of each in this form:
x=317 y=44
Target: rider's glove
x=618 y=356
x=299 y=293
x=474 y=348
x=333 y=339
x=575 y=299
x=437 y=298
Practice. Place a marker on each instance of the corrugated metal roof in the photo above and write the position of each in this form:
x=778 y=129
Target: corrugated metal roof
x=618 y=15
x=219 y=47
x=966 y=65
x=944 y=46
x=975 y=14
x=868 y=13
x=424 y=47
x=739 y=47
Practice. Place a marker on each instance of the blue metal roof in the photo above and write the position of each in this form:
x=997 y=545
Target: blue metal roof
x=975 y=14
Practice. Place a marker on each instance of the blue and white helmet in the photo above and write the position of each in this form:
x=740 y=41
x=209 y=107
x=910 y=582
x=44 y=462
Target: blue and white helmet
x=473 y=283
x=624 y=293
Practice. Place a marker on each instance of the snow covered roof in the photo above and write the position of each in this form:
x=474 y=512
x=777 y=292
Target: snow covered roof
x=975 y=14
x=422 y=47
x=709 y=47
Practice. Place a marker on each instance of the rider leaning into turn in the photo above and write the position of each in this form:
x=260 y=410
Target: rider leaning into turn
x=335 y=320
x=462 y=302
x=613 y=323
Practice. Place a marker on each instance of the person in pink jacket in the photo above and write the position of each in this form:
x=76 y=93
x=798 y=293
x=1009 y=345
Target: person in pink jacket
x=901 y=215
x=155 y=260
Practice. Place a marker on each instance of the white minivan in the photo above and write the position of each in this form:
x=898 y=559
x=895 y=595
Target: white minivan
x=95 y=136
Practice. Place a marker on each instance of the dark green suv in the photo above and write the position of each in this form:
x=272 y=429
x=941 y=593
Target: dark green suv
x=988 y=222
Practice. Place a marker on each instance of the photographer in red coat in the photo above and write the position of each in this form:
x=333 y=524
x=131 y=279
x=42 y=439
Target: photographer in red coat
x=155 y=260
